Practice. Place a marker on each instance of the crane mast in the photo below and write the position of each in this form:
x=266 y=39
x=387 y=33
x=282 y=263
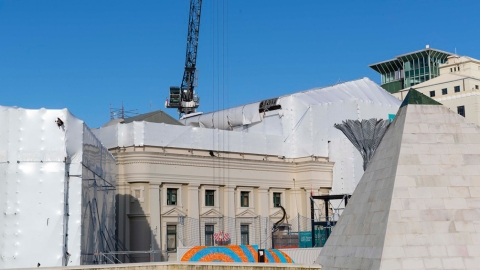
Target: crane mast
x=184 y=97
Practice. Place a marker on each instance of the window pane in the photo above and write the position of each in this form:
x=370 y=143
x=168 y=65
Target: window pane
x=276 y=199
x=171 y=237
x=444 y=91
x=209 y=235
x=209 y=197
x=244 y=229
x=209 y=240
x=172 y=196
x=457 y=89
x=461 y=110
x=407 y=66
x=244 y=196
x=432 y=93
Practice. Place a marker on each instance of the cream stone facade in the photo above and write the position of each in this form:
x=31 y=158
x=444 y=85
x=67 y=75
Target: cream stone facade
x=147 y=173
x=458 y=85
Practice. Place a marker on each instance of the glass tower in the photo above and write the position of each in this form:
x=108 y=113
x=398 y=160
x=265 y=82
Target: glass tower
x=409 y=69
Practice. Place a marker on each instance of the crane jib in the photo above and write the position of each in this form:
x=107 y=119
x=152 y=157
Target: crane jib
x=184 y=97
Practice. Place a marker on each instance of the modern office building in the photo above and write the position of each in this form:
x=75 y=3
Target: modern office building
x=407 y=70
x=457 y=87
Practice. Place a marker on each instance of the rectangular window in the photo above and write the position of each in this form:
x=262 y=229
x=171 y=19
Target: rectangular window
x=432 y=93
x=209 y=235
x=277 y=199
x=171 y=237
x=457 y=89
x=244 y=196
x=244 y=231
x=209 y=197
x=444 y=91
x=461 y=110
x=171 y=196
x=476 y=86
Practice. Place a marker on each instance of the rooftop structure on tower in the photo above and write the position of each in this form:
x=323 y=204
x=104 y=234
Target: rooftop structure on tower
x=409 y=69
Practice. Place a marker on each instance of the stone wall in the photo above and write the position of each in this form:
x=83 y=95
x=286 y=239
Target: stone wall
x=196 y=266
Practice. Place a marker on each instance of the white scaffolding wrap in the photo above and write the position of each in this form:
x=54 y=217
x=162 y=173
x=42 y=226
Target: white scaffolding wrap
x=187 y=137
x=302 y=126
x=58 y=190
x=305 y=123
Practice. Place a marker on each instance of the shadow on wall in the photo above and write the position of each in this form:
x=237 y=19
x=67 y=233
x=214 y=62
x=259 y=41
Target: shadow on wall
x=133 y=230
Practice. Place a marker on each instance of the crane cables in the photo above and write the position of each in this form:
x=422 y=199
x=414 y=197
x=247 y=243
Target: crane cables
x=220 y=95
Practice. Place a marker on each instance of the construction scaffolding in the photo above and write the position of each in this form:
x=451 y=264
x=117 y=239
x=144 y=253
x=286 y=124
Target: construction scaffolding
x=58 y=183
x=325 y=216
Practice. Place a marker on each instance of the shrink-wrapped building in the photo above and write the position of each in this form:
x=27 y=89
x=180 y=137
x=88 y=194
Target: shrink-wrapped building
x=57 y=186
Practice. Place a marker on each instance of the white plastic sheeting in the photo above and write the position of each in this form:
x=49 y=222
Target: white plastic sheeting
x=305 y=123
x=302 y=127
x=187 y=137
x=57 y=187
x=238 y=116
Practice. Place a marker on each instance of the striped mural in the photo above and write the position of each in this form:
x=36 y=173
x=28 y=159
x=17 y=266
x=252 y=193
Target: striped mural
x=233 y=253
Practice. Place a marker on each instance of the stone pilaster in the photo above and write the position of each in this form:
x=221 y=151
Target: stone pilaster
x=296 y=205
x=155 y=224
x=193 y=205
x=122 y=202
x=262 y=207
x=308 y=194
x=229 y=201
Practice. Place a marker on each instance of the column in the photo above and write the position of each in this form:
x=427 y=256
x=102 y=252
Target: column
x=263 y=206
x=122 y=202
x=193 y=205
x=229 y=201
x=263 y=209
x=155 y=225
x=308 y=194
x=296 y=205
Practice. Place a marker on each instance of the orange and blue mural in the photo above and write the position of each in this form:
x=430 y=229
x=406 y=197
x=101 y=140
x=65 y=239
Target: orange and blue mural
x=233 y=253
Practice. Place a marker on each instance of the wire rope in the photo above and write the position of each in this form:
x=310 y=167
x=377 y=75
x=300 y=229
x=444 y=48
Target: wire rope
x=213 y=86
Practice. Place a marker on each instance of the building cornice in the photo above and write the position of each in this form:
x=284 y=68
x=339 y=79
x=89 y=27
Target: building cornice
x=226 y=163
x=152 y=165
x=182 y=152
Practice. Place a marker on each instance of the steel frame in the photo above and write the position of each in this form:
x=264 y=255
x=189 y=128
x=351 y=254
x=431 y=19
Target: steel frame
x=328 y=221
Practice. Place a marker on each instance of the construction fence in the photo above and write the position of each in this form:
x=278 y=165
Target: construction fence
x=293 y=233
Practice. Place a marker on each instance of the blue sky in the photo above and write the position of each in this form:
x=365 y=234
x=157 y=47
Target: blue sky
x=86 y=55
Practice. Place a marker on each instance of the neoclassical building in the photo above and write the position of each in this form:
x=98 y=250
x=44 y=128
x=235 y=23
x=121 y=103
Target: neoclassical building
x=157 y=186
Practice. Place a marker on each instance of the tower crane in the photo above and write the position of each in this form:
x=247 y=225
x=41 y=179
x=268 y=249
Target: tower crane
x=184 y=97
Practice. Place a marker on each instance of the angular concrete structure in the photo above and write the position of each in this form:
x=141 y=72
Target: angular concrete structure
x=418 y=204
